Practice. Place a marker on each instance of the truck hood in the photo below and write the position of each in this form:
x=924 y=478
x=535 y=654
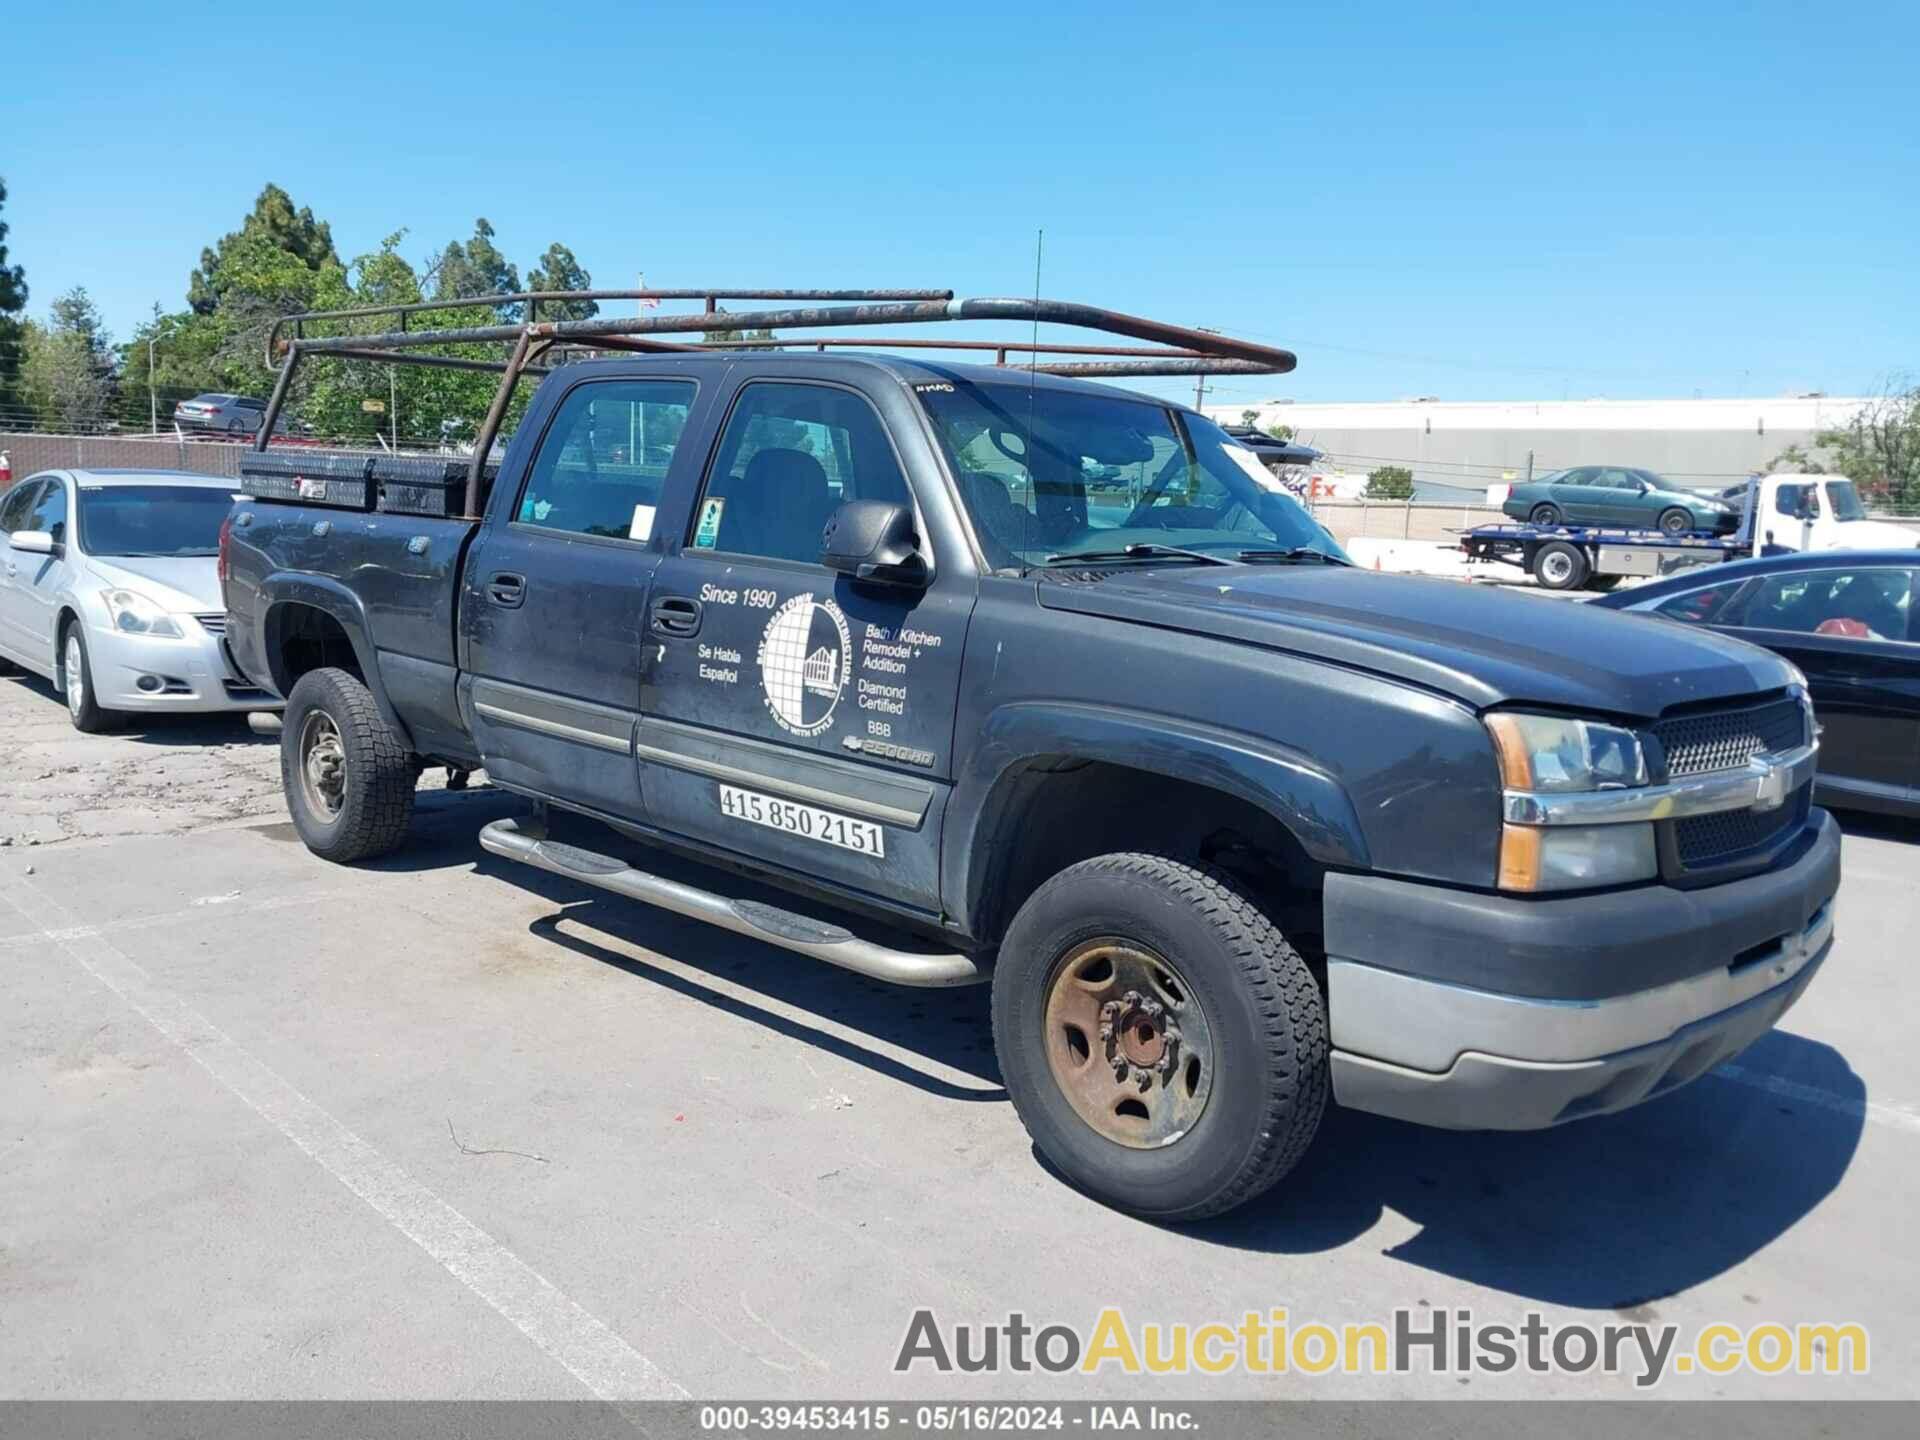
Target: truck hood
x=1482 y=646
x=188 y=584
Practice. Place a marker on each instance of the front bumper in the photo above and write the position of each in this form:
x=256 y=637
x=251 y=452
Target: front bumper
x=193 y=672
x=1486 y=1012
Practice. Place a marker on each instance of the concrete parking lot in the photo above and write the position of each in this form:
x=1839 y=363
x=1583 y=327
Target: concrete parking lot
x=444 y=1127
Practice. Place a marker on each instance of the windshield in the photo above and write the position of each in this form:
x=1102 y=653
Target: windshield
x=126 y=521
x=1844 y=501
x=1049 y=474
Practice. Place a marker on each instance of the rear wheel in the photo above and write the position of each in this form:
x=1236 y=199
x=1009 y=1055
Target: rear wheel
x=1675 y=521
x=76 y=680
x=1559 y=566
x=348 y=778
x=1164 y=1045
x=1544 y=515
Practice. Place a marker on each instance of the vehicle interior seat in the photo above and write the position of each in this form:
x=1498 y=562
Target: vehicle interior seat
x=1001 y=524
x=777 y=507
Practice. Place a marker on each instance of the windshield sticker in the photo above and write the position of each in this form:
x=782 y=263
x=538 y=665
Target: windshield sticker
x=641 y=527
x=1250 y=463
x=806 y=658
x=707 y=533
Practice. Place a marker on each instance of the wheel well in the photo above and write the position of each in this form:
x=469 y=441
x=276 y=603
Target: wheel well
x=304 y=637
x=1055 y=811
x=68 y=616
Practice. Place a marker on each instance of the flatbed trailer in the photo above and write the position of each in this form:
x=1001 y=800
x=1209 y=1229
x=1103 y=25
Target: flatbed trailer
x=1598 y=557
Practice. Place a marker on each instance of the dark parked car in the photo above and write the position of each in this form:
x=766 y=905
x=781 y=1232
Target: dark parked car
x=1613 y=495
x=1270 y=450
x=1851 y=622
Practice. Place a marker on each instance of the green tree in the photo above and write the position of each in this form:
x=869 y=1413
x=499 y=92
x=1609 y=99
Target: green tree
x=753 y=335
x=13 y=300
x=1250 y=418
x=1879 y=449
x=1280 y=432
x=473 y=270
x=272 y=237
x=68 y=367
x=1389 y=482
x=558 y=270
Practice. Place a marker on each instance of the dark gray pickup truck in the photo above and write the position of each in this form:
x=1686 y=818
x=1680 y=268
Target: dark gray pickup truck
x=981 y=672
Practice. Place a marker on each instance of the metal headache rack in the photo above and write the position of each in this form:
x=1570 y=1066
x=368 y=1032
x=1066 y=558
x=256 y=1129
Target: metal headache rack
x=1177 y=350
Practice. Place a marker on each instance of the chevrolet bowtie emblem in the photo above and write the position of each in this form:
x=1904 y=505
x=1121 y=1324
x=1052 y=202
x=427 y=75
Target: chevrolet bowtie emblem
x=1771 y=791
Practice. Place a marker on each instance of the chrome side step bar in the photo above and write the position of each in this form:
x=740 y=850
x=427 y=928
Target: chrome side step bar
x=526 y=842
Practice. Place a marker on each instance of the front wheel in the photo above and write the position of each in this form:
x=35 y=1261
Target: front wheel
x=76 y=680
x=1675 y=521
x=348 y=778
x=1164 y=1045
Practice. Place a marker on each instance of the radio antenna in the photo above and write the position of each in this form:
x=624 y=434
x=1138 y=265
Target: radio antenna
x=1033 y=382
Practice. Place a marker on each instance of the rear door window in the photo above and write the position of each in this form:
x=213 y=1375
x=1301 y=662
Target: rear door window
x=601 y=463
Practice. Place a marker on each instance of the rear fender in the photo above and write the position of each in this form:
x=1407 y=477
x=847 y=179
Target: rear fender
x=281 y=592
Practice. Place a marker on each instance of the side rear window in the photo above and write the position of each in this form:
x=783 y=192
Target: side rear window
x=601 y=464
x=790 y=456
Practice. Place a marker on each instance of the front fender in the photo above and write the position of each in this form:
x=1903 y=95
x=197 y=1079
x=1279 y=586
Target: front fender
x=1311 y=804
x=285 y=589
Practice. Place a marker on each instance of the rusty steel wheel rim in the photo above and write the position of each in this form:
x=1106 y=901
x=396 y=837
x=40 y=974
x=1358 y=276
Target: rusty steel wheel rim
x=323 y=766
x=1128 y=1043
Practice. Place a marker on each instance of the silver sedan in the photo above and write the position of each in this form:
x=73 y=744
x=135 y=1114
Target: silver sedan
x=110 y=587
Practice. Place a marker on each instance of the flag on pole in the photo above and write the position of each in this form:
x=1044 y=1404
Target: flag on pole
x=649 y=302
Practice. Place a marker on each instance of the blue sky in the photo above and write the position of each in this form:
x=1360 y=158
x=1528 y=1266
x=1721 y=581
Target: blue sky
x=1504 y=201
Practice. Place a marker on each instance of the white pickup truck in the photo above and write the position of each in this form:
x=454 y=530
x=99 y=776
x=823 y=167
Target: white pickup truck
x=1777 y=512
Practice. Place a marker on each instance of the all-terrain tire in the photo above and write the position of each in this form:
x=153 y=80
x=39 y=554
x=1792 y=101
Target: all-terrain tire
x=1265 y=1013
x=378 y=770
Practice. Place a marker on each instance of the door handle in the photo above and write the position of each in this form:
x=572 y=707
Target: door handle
x=507 y=589
x=676 y=615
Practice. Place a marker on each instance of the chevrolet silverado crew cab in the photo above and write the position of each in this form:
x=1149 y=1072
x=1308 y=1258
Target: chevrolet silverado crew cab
x=948 y=673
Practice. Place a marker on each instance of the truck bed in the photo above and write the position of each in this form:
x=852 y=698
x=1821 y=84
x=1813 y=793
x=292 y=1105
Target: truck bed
x=395 y=576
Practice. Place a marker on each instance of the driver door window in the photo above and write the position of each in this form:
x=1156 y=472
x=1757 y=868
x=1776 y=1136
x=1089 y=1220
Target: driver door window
x=791 y=456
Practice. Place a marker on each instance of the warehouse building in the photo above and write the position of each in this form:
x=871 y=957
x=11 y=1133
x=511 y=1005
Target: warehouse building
x=1457 y=448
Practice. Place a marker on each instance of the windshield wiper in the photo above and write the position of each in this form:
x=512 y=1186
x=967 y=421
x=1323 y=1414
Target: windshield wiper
x=1140 y=550
x=1298 y=552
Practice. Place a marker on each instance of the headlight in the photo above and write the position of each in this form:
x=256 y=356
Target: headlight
x=1575 y=857
x=134 y=614
x=1547 y=754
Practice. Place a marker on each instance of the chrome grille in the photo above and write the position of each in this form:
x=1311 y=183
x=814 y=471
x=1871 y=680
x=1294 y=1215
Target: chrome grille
x=1727 y=739
x=215 y=624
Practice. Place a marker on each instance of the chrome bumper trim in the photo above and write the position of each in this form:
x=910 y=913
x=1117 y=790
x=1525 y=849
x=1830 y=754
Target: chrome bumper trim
x=1763 y=783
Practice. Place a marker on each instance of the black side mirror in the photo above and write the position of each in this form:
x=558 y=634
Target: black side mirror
x=874 y=540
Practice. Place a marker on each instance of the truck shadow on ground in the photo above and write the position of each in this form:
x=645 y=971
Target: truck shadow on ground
x=948 y=1027
x=1615 y=1212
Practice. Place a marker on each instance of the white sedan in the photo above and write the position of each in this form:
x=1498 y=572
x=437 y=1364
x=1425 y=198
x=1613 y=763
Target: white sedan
x=110 y=587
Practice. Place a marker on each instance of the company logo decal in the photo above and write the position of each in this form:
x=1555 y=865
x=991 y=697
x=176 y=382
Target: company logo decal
x=806 y=657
